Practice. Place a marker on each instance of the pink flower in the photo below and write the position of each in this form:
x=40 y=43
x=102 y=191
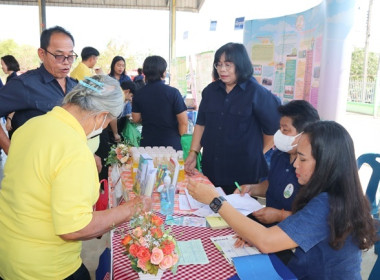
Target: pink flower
x=157 y=256
x=157 y=221
x=143 y=242
x=141 y=264
x=168 y=247
x=133 y=249
x=175 y=258
x=166 y=262
x=143 y=254
x=156 y=232
x=137 y=232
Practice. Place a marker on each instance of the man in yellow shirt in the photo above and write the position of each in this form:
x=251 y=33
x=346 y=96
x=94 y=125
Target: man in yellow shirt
x=89 y=58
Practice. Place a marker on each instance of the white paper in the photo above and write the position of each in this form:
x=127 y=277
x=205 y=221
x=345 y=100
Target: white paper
x=183 y=202
x=244 y=203
x=194 y=204
x=226 y=245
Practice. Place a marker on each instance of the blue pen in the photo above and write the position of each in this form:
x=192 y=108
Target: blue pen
x=238 y=186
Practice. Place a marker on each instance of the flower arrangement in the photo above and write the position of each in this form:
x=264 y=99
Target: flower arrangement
x=119 y=154
x=149 y=246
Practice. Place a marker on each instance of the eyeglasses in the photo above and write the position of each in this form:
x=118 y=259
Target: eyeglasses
x=219 y=66
x=60 y=58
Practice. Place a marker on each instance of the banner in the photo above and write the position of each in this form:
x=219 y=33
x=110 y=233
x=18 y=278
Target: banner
x=286 y=53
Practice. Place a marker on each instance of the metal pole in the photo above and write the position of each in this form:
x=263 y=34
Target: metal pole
x=172 y=32
x=42 y=10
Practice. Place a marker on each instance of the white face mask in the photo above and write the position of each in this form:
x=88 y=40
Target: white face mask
x=284 y=142
x=96 y=132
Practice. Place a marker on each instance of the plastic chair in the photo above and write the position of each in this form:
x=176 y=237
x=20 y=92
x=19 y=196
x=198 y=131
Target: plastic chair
x=372 y=160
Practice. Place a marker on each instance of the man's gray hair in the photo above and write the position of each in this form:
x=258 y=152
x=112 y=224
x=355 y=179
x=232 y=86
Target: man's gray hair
x=97 y=94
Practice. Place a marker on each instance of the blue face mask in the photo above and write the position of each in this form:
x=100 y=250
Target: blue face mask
x=96 y=132
x=284 y=142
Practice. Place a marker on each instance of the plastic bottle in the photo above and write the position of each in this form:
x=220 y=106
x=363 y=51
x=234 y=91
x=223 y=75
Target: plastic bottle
x=181 y=162
x=164 y=195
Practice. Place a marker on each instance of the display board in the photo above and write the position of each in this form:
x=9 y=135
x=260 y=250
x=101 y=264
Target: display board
x=286 y=53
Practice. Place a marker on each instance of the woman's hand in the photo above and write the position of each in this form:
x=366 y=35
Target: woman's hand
x=190 y=163
x=268 y=215
x=117 y=137
x=239 y=243
x=244 y=189
x=202 y=192
x=142 y=204
x=8 y=125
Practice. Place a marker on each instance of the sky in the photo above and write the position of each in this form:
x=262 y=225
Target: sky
x=147 y=31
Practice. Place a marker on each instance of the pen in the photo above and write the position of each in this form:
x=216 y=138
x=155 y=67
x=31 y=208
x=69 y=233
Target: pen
x=238 y=186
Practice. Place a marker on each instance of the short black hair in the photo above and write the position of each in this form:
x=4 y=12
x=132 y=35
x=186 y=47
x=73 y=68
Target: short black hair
x=237 y=54
x=11 y=63
x=301 y=112
x=154 y=68
x=87 y=52
x=139 y=71
x=128 y=85
x=114 y=61
x=46 y=35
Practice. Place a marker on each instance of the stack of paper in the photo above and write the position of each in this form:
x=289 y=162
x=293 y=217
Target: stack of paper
x=216 y=222
x=225 y=245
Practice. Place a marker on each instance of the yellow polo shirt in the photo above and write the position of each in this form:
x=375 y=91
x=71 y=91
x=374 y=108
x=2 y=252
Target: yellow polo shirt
x=80 y=72
x=49 y=188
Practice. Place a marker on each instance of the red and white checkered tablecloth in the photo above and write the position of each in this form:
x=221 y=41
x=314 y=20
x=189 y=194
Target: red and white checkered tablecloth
x=217 y=268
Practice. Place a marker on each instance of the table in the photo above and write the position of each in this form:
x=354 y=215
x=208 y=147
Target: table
x=218 y=267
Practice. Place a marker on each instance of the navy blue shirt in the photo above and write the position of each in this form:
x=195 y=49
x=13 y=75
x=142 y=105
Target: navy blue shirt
x=159 y=105
x=283 y=183
x=32 y=94
x=234 y=124
x=314 y=258
x=1 y=83
x=123 y=78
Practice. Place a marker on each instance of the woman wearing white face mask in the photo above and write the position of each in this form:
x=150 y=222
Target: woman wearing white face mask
x=282 y=185
x=51 y=184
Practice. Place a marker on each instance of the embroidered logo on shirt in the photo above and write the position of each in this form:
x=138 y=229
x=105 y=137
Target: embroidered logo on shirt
x=288 y=190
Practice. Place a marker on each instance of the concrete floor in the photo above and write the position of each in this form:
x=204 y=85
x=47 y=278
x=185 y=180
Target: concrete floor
x=365 y=131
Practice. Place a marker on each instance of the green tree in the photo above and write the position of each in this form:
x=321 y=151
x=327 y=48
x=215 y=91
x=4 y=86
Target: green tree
x=26 y=55
x=357 y=64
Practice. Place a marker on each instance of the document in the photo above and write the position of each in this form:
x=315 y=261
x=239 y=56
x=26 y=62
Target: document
x=192 y=252
x=225 y=245
x=244 y=204
x=186 y=221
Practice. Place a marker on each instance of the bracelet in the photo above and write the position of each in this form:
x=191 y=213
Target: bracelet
x=9 y=118
x=194 y=151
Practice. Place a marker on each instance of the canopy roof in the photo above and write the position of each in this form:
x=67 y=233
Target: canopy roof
x=181 y=5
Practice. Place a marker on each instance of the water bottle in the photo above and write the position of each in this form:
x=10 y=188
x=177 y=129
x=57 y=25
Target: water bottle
x=164 y=196
x=181 y=172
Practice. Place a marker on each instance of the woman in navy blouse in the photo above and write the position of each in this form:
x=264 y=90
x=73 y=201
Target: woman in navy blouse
x=235 y=115
x=331 y=221
x=159 y=107
x=118 y=69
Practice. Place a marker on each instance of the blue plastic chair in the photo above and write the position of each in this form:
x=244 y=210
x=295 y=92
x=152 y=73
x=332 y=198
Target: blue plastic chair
x=372 y=161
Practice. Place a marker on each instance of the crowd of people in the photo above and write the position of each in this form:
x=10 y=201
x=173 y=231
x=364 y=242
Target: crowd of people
x=62 y=122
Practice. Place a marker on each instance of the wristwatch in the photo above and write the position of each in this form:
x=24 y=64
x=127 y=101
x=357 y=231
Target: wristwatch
x=216 y=203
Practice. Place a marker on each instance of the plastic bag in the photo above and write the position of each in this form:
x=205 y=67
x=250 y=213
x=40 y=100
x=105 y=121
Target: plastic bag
x=186 y=144
x=132 y=134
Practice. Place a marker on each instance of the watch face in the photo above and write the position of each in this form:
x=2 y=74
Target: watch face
x=215 y=204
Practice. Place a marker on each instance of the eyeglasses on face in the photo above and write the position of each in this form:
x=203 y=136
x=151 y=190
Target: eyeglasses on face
x=219 y=66
x=60 y=58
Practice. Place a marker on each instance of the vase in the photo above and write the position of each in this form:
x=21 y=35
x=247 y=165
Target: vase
x=148 y=276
